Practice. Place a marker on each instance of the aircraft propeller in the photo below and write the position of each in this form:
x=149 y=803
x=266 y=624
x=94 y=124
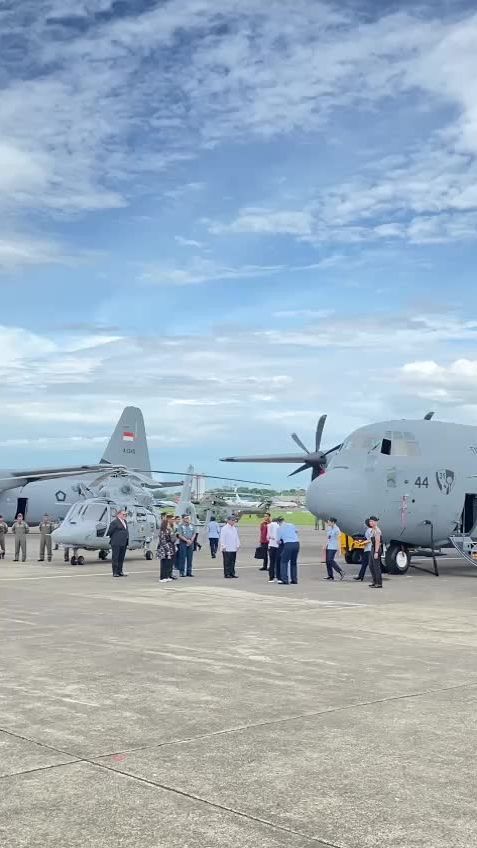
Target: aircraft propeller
x=317 y=459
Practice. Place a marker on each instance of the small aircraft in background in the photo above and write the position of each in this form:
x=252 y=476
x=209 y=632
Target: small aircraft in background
x=418 y=476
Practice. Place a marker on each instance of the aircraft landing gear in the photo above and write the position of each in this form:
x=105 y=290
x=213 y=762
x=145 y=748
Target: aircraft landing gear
x=149 y=555
x=80 y=560
x=103 y=555
x=397 y=559
x=73 y=560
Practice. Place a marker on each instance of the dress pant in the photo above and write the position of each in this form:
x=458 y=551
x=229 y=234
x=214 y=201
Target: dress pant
x=45 y=543
x=214 y=544
x=364 y=564
x=264 y=547
x=273 y=564
x=184 y=559
x=166 y=569
x=288 y=562
x=375 y=568
x=230 y=558
x=331 y=564
x=118 y=552
x=20 y=545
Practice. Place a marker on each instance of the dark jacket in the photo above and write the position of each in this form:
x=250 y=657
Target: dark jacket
x=119 y=536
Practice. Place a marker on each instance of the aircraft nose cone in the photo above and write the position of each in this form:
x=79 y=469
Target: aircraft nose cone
x=331 y=494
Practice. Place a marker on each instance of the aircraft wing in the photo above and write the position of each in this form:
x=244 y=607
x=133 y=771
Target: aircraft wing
x=17 y=479
x=294 y=458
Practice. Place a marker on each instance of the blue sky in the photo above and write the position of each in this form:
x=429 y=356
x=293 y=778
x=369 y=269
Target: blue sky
x=236 y=217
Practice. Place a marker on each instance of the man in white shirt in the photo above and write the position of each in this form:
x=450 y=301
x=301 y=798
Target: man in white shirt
x=229 y=545
x=214 y=534
x=273 y=549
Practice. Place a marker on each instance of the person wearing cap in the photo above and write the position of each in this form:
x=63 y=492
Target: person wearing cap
x=287 y=533
x=375 y=555
x=332 y=547
x=3 y=532
x=46 y=529
x=368 y=535
x=229 y=544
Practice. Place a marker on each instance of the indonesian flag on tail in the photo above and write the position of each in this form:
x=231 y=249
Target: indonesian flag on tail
x=128 y=436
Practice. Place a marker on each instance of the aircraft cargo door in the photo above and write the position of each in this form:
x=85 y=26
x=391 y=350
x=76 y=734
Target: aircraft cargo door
x=22 y=506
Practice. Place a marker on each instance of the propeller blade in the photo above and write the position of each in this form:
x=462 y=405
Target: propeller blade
x=299 y=442
x=319 y=431
x=332 y=450
x=298 y=470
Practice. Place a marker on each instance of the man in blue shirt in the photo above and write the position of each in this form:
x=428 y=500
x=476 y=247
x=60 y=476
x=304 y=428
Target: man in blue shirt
x=287 y=534
x=186 y=534
x=214 y=534
x=332 y=548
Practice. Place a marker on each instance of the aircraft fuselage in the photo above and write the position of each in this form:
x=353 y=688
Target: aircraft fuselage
x=408 y=473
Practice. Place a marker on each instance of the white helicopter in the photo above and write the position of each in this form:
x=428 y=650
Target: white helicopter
x=86 y=524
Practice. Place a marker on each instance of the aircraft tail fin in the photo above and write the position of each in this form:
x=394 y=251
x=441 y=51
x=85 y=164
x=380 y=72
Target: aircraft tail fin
x=128 y=444
x=185 y=504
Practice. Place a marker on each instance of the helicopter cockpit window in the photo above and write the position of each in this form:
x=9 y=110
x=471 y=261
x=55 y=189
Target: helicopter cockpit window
x=95 y=512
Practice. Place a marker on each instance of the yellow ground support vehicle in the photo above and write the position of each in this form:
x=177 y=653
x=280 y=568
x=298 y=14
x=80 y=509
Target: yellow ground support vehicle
x=352 y=548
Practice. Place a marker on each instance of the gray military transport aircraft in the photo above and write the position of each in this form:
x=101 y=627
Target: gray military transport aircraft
x=419 y=477
x=33 y=492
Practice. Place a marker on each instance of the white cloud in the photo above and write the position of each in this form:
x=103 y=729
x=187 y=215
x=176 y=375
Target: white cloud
x=85 y=122
x=267 y=222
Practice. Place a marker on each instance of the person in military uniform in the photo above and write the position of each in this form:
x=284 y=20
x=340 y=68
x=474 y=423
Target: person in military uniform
x=20 y=529
x=46 y=529
x=3 y=531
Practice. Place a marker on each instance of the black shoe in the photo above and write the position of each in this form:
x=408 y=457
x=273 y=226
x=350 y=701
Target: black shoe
x=375 y=586
x=328 y=578
x=234 y=576
x=263 y=568
x=358 y=578
x=41 y=560
x=123 y=574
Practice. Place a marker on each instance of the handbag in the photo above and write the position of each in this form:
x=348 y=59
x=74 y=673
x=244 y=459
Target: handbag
x=259 y=553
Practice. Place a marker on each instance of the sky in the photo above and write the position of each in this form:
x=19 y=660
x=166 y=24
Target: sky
x=237 y=216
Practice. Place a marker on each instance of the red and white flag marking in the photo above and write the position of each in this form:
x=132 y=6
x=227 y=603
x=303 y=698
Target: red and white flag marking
x=128 y=436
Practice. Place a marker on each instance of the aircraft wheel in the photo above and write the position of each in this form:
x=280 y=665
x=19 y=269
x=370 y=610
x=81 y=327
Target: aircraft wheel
x=103 y=554
x=73 y=560
x=349 y=557
x=356 y=557
x=397 y=559
x=80 y=560
x=149 y=555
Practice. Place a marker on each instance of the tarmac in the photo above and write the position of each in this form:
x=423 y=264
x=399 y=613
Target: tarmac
x=207 y=713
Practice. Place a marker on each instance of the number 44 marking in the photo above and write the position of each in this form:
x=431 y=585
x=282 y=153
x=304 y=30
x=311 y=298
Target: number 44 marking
x=420 y=482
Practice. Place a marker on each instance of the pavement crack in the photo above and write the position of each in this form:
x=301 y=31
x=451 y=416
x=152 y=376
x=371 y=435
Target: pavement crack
x=313 y=840
x=292 y=718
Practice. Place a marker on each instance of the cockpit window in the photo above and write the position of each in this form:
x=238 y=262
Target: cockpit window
x=396 y=443
x=95 y=512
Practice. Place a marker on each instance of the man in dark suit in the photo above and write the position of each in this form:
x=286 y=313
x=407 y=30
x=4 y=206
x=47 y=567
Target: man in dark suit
x=119 y=537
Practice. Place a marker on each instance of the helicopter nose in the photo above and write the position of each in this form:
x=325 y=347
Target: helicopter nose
x=332 y=493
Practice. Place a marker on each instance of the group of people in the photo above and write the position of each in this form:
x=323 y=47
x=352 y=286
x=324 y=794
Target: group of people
x=20 y=530
x=371 y=555
x=278 y=549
